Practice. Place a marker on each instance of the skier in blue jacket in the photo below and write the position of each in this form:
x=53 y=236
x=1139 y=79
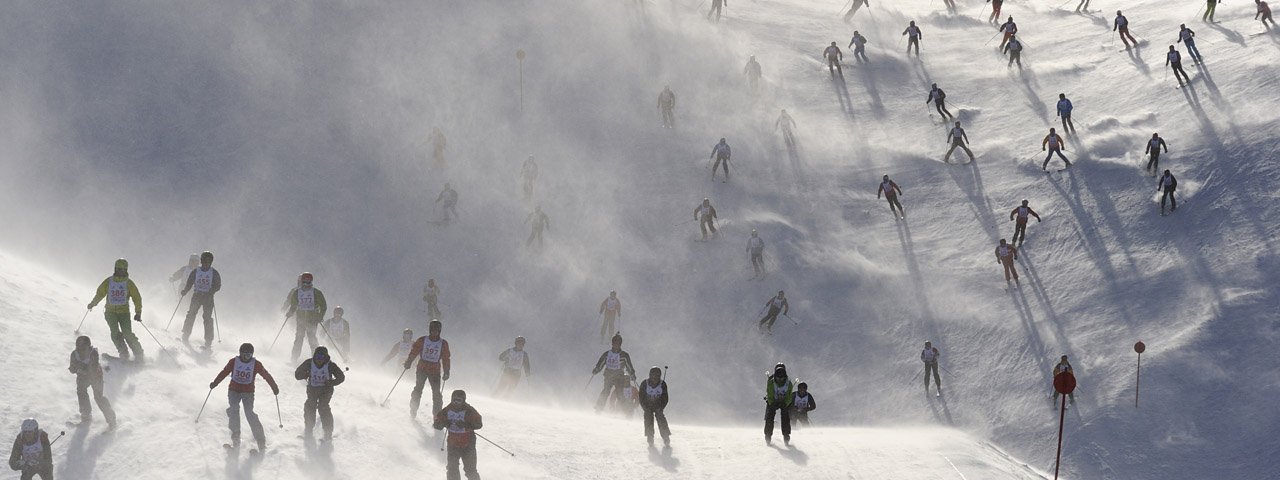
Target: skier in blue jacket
x=1064 y=111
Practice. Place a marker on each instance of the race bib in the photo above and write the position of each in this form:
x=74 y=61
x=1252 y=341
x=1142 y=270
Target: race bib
x=613 y=361
x=242 y=372
x=802 y=402
x=653 y=391
x=31 y=454
x=306 y=299
x=431 y=350
x=204 y=281
x=457 y=421
x=117 y=293
x=319 y=375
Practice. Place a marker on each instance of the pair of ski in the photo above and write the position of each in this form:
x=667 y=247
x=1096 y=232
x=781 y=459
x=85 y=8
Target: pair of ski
x=253 y=452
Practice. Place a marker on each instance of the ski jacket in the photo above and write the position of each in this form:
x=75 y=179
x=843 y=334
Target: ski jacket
x=611 y=305
x=1009 y=27
x=513 y=359
x=914 y=32
x=779 y=304
x=667 y=99
x=1263 y=10
x=721 y=150
x=1062 y=367
x=31 y=456
x=1173 y=57
x=755 y=245
x=338 y=328
x=242 y=375
x=1121 y=22
x=87 y=364
x=1013 y=46
x=957 y=134
x=1022 y=213
x=205 y=282
x=1167 y=182
x=1006 y=253
x=776 y=394
x=461 y=420
x=785 y=122
x=118 y=291
x=833 y=53
x=929 y=355
x=432 y=355
x=804 y=403
x=319 y=377
x=653 y=397
x=401 y=348
x=1154 y=145
x=1187 y=36
x=449 y=195
x=315 y=307
x=429 y=293
x=752 y=69
x=704 y=211
x=936 y=95
x=530 y=168
x=858 y=41
x=889 y=189
x=1053 y=140
x=614 y=363
x=1064 y=107
x=540 y=220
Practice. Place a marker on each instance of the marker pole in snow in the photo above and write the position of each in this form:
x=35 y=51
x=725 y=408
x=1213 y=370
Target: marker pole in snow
x=494 y=444
x=205 y=402
x=1064 y=383
x=86 y=315
x=273 y=342
x=175 y=312
x=393 y=388
x=1137 y=382
x=278 y=415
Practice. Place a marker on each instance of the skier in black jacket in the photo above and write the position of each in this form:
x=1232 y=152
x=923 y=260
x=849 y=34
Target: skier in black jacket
x=321 y=375
x=653 y=399
x=802 y=404
x=1167 y=185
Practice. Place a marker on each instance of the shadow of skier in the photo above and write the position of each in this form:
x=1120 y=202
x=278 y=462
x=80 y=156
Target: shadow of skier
x=664 y=459
x=792 y=453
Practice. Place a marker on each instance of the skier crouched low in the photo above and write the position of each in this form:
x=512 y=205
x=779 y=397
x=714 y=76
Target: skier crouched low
x=461 y=421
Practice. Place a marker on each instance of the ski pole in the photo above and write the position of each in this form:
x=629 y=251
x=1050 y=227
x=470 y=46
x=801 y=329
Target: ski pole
x=914 y=377
x=335 y=342
x=993 y=37
x=205 y=402
x=55 y=440
x=593 y=377
x=175 y=312
x=494 y=444
x=443 y=440
x=1166 y=74
x=846 y=5
x=153 y=336
x=393 y=388
x=86 y=315
x=216 y=327
x=792 y=319
x=278 y=416
x=273 y=342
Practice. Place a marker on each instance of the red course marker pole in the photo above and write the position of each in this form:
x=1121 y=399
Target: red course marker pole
x=1064 y=383
x=1137 y=384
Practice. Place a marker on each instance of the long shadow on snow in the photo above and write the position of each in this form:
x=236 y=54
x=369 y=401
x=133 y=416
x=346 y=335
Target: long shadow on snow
x=1231 y=35
x=1032 y=335
x=82 y=457
x=792 y=453
x=945 y=415
x=977 y=196
x=1029 y=86
x=1135 y=56
x=917 y=280
x=1037 y=287
x=842 y=94
x=873 y=93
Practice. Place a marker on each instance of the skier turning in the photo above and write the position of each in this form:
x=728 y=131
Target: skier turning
x=1187 y=37
x=1020 y=228
x=206 y=281
x=431 y=295
x=243 y=369
x=514 y=362
x=1014 y=49
x=339 y=330
x=1265 y=12
x=610 y=309
x=1064 y=111
x=755 y=249
x=721 y=153
x=705 y=214
x=802 y=404
x=118 y=289
x=85 y=366
x=913 y=37
x=653 y=400
x=753 y=73
x=785 y=123
x=891 y=192
x=833 y=56
x=1063 y=366
x=1122 y=25
x=854 y=9
x=450 y=198
x=461 y=420
x=775 y=306
x=1008 y=28
x=321 y=375
x=528 y=173
x=667 y=105
x=939 y=99
x=32 y=454
x=432 y=353
x=1175 y=59
x=778 y=397
x=859 y=44
x=930 y=356
x=1053 y=143
x=1167 y=185
x=400 y=349
x=957 y=138
x=1006 y=254
x=1153 y=149
x=540 y=222
x=616 y=364
x=308 y=302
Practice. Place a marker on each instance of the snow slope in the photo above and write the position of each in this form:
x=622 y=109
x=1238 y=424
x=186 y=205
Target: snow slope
x=292 y=138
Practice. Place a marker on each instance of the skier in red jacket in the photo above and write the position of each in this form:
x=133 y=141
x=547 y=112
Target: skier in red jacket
x=243 y=369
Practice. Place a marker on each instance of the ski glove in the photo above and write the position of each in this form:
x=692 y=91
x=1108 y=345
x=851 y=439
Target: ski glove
x=275 y=390
x=408 y=364
x=137 y=317
x=213 y=385
x=445 y=377
x=90 y=307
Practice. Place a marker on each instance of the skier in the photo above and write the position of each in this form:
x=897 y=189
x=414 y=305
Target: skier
x=1083 y=5
x=610 y=309
x=653 y=400
x=400 y=349
x=755 y=248
x=775 y=306
x=802 y=404
x=450 y=198
x=626 y=402
x=995 y=10
x=1187 y=37
x=939 y=99
x=432 y=353
x=705 y=214
x=667 y=104
x=778 y=397
x=31 y=454
x=437 y=146
x=1122 y=25
x=308 y=303
x=88 y=371
x=118 y=289
x=1014 y=49
x=891 y=192
x=1167 y=185
x=1063 y=366
x=461 y=420
x=833 y=56
x=1175 y=59
x=930 y=356
x=321 y=375
x=616 y=364
x=786 y=124
x=957 y=138
x=1009 y=29
x=528 y=173
x=540 y=222
x=183 y=272
x=1064 y=111
x=431 y=295
x=951 y=5
x=753 y=73
x=716 y=6
x=243 y=369
x=913 y=37
x=514 y=361
x=1054 y=143
x=854 y=9
x=1265 y=12
x=859 y=44
x=720 y=152
x=1005 y=255
x=1020 y=228
x=339 y=330
x=1153 y=149
x=1208 y=11
x=206 y=281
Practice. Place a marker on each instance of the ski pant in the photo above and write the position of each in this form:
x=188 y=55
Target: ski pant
x=235 y=400
x=1019 y=231
x=1084 y=4
x=651 y=415
x=122 y=334
x=45 y=473
x=198 y=301
x=668 y=119
x=304 y=326
x=716 y=5
x=607 y=326
x=317 y=400
x=467 y=455
x=995 y=10
x=415 y=398
x=833 y=66
x=1053 y=150
x=769 y=410
x=941 y=106
x=913 y=41
x=928 y=366
x=1177 y=70
x=1124 y=32
x=1015 y=56
x=528 y=184
x=707 y=223
x=1208 y=10
x=613 y=384
x=856 y=5
x=1067 y=124
x=799 y=417
x=893 y=202
x=1266 y=17
x=720 y=161
x=1153 y=163
x=1168 y=193
x=433 y=309
x=536 y=234
x=860 y=53
x=450 y=208
x=1009 y=272
x=757 y=262
x=508 y=382
x=1192 y=50
x=769 y=318
x=787 y=136
x=1004 y=39
x=84 y=382
x=958 y=143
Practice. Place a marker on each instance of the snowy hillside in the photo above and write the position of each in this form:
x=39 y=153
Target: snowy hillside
x=294 y=137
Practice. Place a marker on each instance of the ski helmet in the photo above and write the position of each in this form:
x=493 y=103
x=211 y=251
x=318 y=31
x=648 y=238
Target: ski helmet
x=321 y=352
x=886 y=178
x=207 y=256
x=1024 y=202
x=781 y=293
x=519 y=340
x=306 y=278
x=613 y=293
x=122 y=265
x=1002 y=241
x=30 y=425
x=338 y=310
x=83 y=341
x=721 y=139
x=1064 y=358
x=802 y=386
x=753 y=232
x=459 y=395
x=435 y=326
x=193 y=259
x=246 y=348
x=833 y=44
x=617 y=338
x=655 y=371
